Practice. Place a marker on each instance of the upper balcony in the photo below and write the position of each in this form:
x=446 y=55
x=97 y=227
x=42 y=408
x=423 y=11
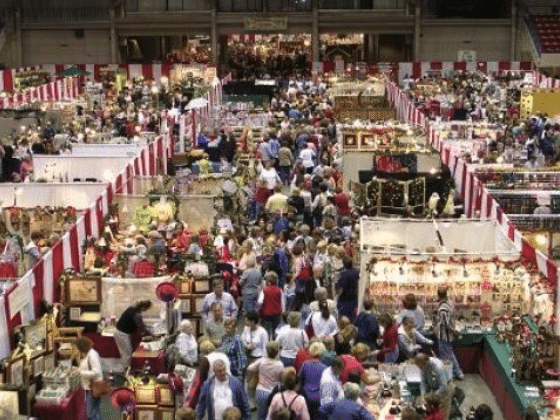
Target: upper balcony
x=259 y=6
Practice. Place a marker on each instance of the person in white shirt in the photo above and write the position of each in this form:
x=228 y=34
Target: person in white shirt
x=323 y=323
x=307 y=156
x=186 y=344
x=331 y=385
x=89 y=368
x=291 y=338
x=254 y=337
x=269 y=174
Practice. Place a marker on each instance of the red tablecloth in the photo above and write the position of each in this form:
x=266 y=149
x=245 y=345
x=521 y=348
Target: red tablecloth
x=106 y=345
x=155 y=360
x=72 y=408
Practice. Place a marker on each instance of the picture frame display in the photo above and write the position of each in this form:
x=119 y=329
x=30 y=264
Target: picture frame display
x=146 y=412
x=15 y=372
x=201 y=286
x=350 y=141
x=38 y=365
x=198 y=304
x=165 y=396
x=166 y=413
x=35 y=334
x=146 y=394
x=49 y=362
x=83 y=291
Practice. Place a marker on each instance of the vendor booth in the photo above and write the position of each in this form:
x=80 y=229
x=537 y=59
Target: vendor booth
x=51 y=194
x=493 y=292
x=66 y=168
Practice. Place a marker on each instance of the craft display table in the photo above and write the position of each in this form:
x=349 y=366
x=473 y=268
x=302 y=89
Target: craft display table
x=105 y=344
x=71 y=408
x=156 y=361
x=483 y=354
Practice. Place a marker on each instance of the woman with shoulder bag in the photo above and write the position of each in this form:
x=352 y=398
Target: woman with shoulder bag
x=91 y=376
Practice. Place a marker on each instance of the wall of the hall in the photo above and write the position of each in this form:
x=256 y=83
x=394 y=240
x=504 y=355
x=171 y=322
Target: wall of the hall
x=8 y=52
x=442 y=43
x=65 y=46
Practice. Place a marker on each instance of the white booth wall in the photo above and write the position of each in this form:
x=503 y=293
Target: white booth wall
x=82 y=167
x=107 y=150
x=79 y=195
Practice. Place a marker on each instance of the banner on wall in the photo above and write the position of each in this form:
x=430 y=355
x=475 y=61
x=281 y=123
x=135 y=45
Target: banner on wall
x=467 y=56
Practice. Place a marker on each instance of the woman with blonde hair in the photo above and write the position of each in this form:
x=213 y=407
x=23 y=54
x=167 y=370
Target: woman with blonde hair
x=310 y=378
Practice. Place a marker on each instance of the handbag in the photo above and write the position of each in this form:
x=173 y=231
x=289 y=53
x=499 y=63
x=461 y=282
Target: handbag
x=99 y=388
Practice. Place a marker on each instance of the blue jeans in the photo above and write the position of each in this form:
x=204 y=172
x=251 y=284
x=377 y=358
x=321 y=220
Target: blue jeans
x=262 y=407
x=93 y=405
x=445 y=350
x=392 y=356
x=288 y=361
x=270 y=323
x=284 y=174
x=250 y=302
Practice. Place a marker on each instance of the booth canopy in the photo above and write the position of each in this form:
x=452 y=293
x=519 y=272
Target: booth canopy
x=424 y=238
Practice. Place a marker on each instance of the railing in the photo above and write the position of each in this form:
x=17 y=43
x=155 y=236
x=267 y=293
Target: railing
x=537 y=222
x=264 y=6
x=139 y=6
x=362 y=4
x=65 y=14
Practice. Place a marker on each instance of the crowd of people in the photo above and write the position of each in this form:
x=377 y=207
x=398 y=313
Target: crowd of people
x=245 y=63
x=287 y=336
x=534 y=141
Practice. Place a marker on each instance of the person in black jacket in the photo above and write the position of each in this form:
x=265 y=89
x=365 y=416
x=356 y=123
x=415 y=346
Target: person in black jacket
x=130 y=323
x=227 y=146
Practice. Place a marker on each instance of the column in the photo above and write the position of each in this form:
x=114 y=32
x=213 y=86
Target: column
x=113 y=37
x=416 y=44
x=315 y=32
x=19 y=41
x=513 y=31
x=214 y=37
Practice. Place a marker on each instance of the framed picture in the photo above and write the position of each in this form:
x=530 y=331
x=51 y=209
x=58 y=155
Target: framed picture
x=165 y=396
x=367 y=140
x=14 y=372
x=38 y=365
x=75 y=313
x=198 y=304
x=35 y=335
x=201 y=286
x=186 y=305
x=49 y=362
x=146 y=412
x=350 y=141
x=145 y=394
x=185 y=287
x=83 y=291
x=50 y=342
x=166 y=413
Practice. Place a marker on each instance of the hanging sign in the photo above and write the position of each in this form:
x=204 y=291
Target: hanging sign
x=266 y=23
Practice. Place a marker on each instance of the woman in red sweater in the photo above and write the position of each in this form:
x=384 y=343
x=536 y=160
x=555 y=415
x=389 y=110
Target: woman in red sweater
x=390 y=347
x=433 y=402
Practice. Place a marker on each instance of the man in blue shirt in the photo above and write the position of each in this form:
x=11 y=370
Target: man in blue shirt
x=347 y=287
x=202 y=141
x=367 y=326
x=436 y=379
x=347 y=408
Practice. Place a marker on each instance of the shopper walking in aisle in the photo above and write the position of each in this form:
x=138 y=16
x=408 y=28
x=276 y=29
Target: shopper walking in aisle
x=445 y=331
